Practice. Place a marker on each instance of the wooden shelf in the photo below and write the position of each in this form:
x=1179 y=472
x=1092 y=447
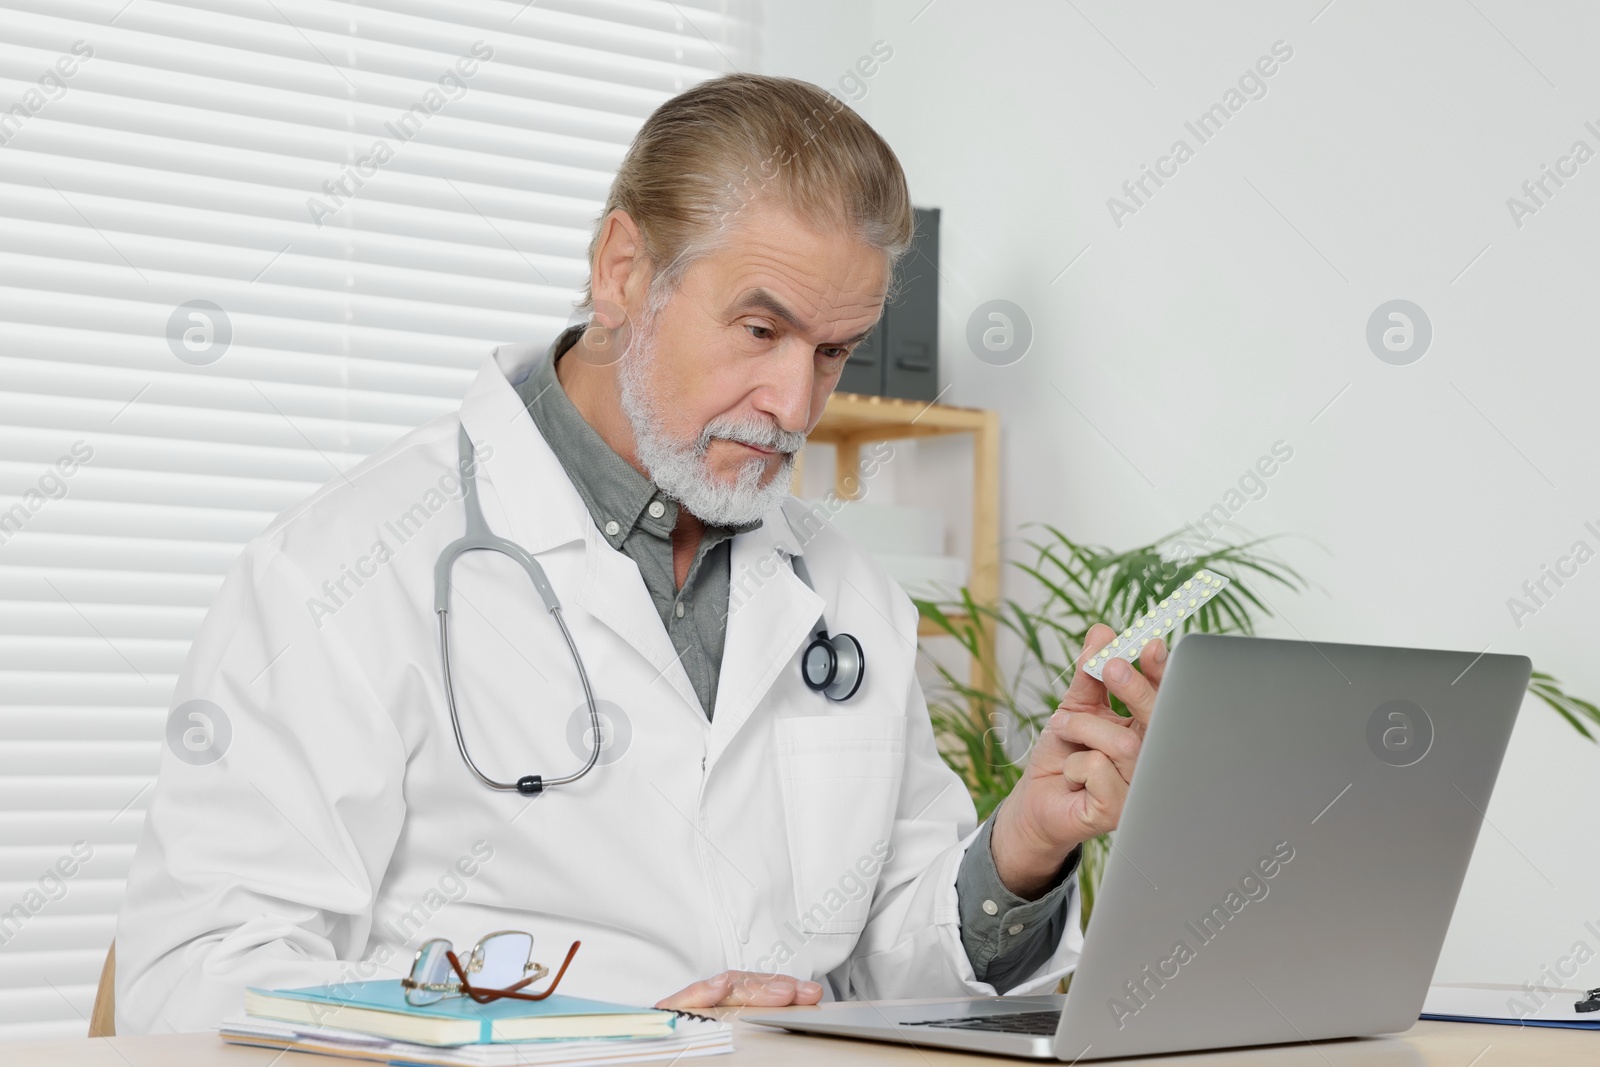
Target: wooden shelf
x=878 y=418
x=852 y=420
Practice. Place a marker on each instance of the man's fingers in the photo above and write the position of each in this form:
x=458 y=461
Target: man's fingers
x=1084 y=690
x=740 y=988
x=1154 y=661
x=1088 y=731
x=755 y=992
x=1093 y=771
x=771 y=990
x=1134 y=689
x=1099 y=636
x=706 y=993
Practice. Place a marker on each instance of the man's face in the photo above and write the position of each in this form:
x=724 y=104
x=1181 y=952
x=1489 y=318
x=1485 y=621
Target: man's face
x=758 y=333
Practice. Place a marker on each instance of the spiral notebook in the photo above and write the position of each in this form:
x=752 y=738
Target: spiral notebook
x=379 y=1008
x=694 y=1035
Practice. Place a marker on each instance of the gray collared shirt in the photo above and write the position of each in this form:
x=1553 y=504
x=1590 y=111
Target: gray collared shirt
x=637 y=519
x=1005 y=936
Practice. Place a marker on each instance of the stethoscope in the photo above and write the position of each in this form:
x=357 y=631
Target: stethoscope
x=833 y=666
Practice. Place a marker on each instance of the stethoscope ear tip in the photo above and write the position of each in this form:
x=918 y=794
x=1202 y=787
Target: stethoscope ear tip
x=530 y=785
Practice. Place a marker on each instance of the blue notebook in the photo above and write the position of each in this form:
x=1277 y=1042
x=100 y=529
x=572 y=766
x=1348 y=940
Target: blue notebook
x=1509 y=1005
x=380 y=1008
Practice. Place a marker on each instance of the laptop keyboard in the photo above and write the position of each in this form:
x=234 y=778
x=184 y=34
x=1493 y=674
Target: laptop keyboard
x=1016 y=1022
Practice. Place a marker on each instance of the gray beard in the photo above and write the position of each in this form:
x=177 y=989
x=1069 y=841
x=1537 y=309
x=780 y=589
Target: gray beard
x=679 y=468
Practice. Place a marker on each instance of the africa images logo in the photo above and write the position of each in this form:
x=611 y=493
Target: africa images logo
x=1399 y=733
x=198 y=732
x=1141 y=990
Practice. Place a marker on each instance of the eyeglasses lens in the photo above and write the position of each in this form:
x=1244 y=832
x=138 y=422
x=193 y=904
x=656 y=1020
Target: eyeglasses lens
x=431 y=967
x=501 y=960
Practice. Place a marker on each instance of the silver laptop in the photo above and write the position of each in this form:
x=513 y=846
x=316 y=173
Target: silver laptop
x=1289 y=856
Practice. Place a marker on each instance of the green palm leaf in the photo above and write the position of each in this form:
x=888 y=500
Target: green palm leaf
x=985 y=730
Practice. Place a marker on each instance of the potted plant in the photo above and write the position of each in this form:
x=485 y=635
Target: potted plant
x=985 y=730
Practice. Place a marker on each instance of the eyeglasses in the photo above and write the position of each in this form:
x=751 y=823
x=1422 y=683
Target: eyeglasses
x=500 y=964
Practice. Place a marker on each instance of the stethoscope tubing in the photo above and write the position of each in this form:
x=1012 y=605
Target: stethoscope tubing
x=455 y=717
x=479 y=537
x=843 y=650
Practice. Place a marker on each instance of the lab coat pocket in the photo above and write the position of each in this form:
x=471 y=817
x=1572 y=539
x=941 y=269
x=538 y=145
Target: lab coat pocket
x=840 y=776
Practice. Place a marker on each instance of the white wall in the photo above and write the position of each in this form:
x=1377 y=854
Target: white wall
x=1230 y=309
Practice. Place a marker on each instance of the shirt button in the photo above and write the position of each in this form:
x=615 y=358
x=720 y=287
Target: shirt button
x=991 y=908
x=680 y=610
x=612 y=528
x=657 y=509
x=1015 y=930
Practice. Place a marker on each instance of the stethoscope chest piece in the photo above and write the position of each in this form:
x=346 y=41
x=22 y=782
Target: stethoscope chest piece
x=833 y=666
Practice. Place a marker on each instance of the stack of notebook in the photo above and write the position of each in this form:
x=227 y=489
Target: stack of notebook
x=372 y=1021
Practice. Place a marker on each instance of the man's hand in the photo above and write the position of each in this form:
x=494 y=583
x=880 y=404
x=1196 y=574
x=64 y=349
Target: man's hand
x=734 y=988
x=1078 y=773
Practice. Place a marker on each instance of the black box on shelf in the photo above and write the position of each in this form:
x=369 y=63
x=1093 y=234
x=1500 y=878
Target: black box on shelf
x=863 y=371
x=901 y=358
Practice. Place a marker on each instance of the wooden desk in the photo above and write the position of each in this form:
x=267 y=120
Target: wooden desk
x=1428 y=1044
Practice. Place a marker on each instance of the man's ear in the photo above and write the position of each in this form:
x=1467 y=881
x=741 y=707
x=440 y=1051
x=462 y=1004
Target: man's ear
x=621 y=269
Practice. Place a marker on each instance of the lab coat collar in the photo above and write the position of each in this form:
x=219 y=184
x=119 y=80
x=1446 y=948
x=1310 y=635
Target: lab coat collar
x=544 y=511
x=771 y=611
x=521 y=473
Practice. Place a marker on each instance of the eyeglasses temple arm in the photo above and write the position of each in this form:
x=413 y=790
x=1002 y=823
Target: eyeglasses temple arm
x=571 y=952
x=483 y=996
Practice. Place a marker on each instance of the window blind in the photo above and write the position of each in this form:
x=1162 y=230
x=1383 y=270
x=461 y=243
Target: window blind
x=243 y=244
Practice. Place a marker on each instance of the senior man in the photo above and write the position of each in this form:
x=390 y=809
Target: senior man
x=743 y=838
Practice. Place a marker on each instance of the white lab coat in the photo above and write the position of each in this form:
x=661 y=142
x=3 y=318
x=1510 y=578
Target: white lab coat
x=340 y=828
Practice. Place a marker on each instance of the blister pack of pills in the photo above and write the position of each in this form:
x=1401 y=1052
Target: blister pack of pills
x=1159 y=621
